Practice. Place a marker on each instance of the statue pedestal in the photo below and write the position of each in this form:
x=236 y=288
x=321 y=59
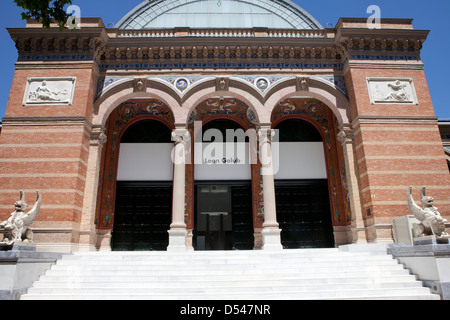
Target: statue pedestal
x=20 y=267
x=430 y=262
x=18 y=246
x=427 y=240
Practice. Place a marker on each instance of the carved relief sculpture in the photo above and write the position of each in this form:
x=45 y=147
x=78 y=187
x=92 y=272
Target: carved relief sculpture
x=49 y=91
x=431 y=222
x=394 y=91
x=16 y=228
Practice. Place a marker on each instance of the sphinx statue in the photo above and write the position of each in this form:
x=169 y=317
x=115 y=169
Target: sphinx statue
x=431 y=221
x=16 y=228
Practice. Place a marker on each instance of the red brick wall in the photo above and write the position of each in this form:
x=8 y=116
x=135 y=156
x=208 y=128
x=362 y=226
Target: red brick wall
x=45 y=154
x=395 y=151
x=86 y=82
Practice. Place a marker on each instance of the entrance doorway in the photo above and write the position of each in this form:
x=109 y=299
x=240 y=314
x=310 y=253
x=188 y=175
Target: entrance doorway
x=303 y=212
x=223 y=216
x=301 y=187
x=142 y=217
x=223 y=192
x=143 y=207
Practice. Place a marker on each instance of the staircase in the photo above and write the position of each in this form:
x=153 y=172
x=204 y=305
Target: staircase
x=230 y=275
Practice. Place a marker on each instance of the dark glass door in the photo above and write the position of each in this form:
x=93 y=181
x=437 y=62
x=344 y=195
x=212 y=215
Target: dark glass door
x=223 y=219
x=241 y=202
x=303 y=212
x=142 y=216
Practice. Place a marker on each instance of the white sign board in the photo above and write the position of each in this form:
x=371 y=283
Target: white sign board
x=145 y=162
x=222 y=161
x=300 y=160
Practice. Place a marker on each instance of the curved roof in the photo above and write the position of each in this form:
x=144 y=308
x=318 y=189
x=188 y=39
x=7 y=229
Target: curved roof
x=160 y=14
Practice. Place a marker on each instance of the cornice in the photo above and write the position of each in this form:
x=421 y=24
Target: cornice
x=221 y=48
x=422 y=120
x=47 y=121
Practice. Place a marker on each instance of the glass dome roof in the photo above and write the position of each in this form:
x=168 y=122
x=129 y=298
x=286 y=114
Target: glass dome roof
x=163 y=14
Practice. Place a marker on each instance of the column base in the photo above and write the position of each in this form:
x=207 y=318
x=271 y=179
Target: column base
x=177 y=240
x=271 y=239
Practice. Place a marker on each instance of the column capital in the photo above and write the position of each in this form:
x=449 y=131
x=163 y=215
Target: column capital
x=98 y=136
x=346 y=135
x=181 y=134
x=265 y=134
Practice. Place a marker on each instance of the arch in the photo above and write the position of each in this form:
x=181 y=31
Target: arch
x=324 y=120
x=209 y=91
x=190 y=13
x=181 y=103
x=303 y=196
x=145 y=226
x=124 y=115
x=125 y=90
x=235 y=228
x=313 y=88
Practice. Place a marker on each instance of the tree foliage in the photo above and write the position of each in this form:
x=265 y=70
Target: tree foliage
x=45 y=11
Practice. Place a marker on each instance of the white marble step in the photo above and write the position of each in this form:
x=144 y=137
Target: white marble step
x=237 y=288
x=162 y=275
x=226 y=261
x=213 y=286
x=237 y=275
x=382 y=294
x=155 y=282
x=225 y=269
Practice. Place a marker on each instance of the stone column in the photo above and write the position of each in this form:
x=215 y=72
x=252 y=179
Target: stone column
x=271 y=232
x=88 y=239
x=345 y=136
x=178 y=232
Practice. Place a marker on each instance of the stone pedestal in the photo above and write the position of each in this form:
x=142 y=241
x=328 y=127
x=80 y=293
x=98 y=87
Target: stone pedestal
x=427 y=240
x=18 y=246
x=20 y=266
x=271 y=239
x=177 y=240
x=430 y=262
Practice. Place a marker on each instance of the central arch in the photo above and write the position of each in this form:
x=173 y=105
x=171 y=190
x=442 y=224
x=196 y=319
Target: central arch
x=235 y=184
x=223 y=192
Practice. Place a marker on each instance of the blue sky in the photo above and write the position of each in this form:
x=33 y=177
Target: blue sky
x=428 y=15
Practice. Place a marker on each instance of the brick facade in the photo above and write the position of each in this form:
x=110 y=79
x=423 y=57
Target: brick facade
x=61 y=149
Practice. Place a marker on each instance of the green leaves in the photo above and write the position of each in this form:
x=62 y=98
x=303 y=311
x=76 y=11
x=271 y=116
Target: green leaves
x=45 y=11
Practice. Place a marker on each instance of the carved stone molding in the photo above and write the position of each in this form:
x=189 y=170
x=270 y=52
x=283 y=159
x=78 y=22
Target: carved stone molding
x=302 y=83
x=346 y=136
x=98 y=136
x=140 y=85
x=180 y=135
x=222 y=84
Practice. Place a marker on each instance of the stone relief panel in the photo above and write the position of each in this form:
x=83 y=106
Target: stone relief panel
x=391 y=91
x=44 y=91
